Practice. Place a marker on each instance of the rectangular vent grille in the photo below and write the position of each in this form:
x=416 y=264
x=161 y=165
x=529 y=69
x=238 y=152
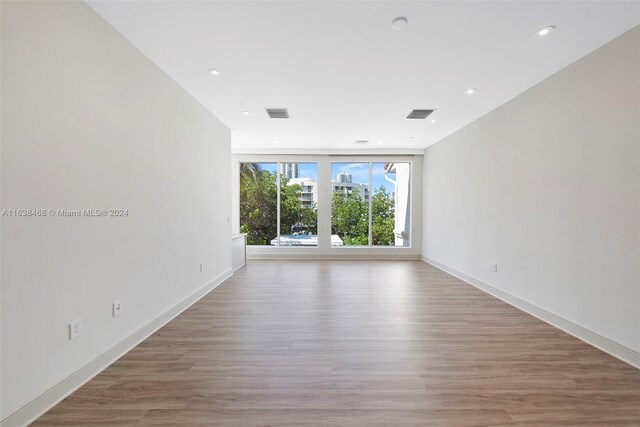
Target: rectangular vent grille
x=278 y=113
x=362 y=141
x=419 y=114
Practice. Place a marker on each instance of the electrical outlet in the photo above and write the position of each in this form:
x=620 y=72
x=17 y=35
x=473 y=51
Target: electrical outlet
x=201 y=267
x=493 y=267
x=74 y=329
x=117 y=308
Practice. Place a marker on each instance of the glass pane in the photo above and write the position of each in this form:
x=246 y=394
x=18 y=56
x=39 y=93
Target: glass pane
x=298 y=204
x=350 y=204
x=258 y=203
x=390 y=213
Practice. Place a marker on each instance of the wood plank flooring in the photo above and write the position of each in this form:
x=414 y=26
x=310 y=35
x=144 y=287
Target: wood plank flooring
x=354 y=343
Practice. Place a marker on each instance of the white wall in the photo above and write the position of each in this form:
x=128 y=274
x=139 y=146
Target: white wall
x=1 y=206
x=547 y=187
x=324 y=249
x=89 y=122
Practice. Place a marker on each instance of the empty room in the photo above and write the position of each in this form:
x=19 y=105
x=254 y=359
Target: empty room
x=319 y=213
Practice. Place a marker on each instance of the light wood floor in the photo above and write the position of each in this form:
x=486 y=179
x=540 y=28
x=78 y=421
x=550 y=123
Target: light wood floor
x=299 y=343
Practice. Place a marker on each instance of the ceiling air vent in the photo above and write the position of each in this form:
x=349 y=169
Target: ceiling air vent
x=419 y=114
x=362 y=141
x=278 y=113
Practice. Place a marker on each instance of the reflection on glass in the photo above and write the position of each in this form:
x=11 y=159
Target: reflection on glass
x=258 y=202
x=390 y=221
x=350 y=204
x=298 y=205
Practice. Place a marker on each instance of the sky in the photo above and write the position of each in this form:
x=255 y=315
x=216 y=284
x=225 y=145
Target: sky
x=358 y=171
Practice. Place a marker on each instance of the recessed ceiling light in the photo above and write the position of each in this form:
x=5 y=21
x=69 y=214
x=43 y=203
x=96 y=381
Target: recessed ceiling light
x=399 y=23
x=546 y=30
x=379 y=142
x=214 y=72
x=433 y=120
x=471 y=91
x=274 y=142
x=246 y=113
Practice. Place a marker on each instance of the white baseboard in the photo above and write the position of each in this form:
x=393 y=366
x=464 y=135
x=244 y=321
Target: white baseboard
x=238 y=267
x=613 y=348
x=337 y=256
x=47 y=400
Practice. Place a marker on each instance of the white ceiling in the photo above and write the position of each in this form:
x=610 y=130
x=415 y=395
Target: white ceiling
x=345 y=74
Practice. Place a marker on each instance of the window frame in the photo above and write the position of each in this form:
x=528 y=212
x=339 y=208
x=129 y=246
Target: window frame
x=278 y=201
x=381 y=159
x=324 y=161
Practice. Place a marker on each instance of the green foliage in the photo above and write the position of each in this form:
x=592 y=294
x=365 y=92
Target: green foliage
x=259 y=206
x=292 y=212
x=309 y=217
x=249 y=170
x=382 y=218
x=350 y=218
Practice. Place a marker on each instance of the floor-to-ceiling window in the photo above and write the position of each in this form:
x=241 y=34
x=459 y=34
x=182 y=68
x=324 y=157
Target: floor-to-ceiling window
x=298 y=204
x=278 y=203
x=360 y=202
x=390 y=204
x=259 y=202
x=350 y=204
x=370 y=204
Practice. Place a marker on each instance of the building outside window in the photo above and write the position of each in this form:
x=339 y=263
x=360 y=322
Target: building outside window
x=370 y=203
